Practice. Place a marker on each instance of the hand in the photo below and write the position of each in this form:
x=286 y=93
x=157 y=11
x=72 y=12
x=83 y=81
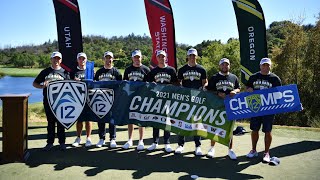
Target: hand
x=232 y=93
x=45 y=84
x=222 y=95
x=249 y=89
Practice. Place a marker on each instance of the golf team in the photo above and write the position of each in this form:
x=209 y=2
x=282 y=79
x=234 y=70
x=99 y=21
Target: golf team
x=191 y=75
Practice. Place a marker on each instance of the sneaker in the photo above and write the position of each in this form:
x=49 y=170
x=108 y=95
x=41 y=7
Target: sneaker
x=152 y=147
x=266 y=158
x=127 y=145
x=211 y=152
x=76 y=142
x=63 y=147
x=100 y=143
x=232 y=155
x=179 y=150
x=113 y=143
x=140 y=146
x=88 y=142
x=252 y=154
x=168 y=148
x=198 y=151
x=48 y=147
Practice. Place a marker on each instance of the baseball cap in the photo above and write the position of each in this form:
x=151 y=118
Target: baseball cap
x=161 y=52
x=224 y=60
x=265 y=61
x=136 y=52
x=108 y=53
x=239 y=131
x=81 y=54
x=274 y=161
x=192 y=51
x=56 y=54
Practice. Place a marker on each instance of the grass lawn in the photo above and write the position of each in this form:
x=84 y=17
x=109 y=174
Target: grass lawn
x=297 y=148
x=29 y=72
x=20 y=72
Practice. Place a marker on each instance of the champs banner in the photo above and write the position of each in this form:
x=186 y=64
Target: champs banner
x=183 y=111
x=69 y=31
x=161 y=27
x=263 y=102
x=252 y=36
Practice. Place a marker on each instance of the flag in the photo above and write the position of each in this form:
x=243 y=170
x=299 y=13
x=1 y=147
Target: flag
x=69 y=32
x=252 y=36
x=161 y=27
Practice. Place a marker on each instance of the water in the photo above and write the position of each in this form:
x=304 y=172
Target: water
x=20 y=85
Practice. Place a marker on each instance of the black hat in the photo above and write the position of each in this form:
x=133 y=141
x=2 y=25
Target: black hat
x=239 y=131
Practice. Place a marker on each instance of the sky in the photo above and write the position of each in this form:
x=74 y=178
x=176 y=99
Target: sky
x=32 y=22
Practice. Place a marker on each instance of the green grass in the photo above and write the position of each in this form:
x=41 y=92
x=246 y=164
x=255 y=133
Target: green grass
x=20 y=72
x=28 y=72
x=299 y=157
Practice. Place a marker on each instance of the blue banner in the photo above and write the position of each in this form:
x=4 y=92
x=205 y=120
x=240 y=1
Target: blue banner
x=263 y=102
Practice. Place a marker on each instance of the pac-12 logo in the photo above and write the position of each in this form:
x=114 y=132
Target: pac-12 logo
x=254 y=102
x=67 y=100
x=100 y=100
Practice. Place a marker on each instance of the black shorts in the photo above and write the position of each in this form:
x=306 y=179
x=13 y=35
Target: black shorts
x=266 y=121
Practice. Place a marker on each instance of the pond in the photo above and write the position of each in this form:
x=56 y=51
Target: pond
x=20 y=85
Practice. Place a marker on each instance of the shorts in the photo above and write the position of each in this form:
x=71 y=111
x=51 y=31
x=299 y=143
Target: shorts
x=266 y=121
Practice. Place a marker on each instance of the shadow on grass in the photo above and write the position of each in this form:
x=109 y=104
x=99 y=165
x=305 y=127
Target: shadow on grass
x=142 y=163
x=145 y=163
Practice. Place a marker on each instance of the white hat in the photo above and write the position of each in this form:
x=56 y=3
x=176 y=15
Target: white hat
x=56 y=54
x=108 y=53
x=192 y=51
x=136 y=52
x=265 y=61
x=82 y=54
x=161 y=52
x=224 y=60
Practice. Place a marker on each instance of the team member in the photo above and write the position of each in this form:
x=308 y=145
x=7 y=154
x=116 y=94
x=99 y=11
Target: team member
x=107 y=73
x=53 y=73
x=191 y=75
x=162 y=74
x=79 y=74
x=262 y=80
x=135 y=72
x=224 y=83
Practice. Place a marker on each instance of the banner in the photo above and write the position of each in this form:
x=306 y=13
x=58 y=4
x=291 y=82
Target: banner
x=69 y=32
x=161 y=27
x=263 y=102
x=183 y=111
x=252 y=36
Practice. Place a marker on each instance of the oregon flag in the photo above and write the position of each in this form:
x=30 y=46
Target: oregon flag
x=252 y=36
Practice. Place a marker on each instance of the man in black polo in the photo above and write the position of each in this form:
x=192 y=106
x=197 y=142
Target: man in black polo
x=162 y=74
x=53 y=73
x=191 y=75
x=262 y=80
x=224 y=83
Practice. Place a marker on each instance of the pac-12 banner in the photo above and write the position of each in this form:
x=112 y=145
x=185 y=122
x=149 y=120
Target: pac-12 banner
x=183 y=111
x=69 y=32
x=263 y=102
x=161 y=27
x=252 y=36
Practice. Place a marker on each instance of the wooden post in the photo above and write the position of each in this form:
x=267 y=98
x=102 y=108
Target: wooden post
x=15 y=127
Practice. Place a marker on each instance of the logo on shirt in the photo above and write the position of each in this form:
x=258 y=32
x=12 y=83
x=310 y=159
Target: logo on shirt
x=53 y=77
x=135 y=76
x=106 y=77
x=191 y=75
x=261 y=84
x=162 y=78
x=224 y=85
x=100 y=100
x=66 y=100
